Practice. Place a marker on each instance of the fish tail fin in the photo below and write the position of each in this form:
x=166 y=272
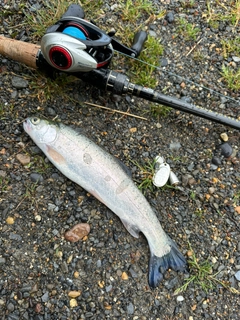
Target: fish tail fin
x=159 y=265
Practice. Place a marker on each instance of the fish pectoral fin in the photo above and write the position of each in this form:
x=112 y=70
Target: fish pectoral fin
x=55 y=155
x=133 y=230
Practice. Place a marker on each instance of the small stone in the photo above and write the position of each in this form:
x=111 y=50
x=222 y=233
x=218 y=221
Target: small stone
x=133 y=130
x=45 y=297
x=130 y=308
x=216 y=161
x=19 y=83
x=237 y=275
x=169 y=17
x=2 y=302
x=236 y=59
x=224 y=136
x=124 y=276
x=180 y=298
x=73 y=303
x=10 y=220
x=36 y=177
x=211 y=190
x=74 y=294
x=237 y=209
x=163 y=62
x=189 y=253
x=23 y=159
x=226 y=150
x=38 y=218
x=78 y=232
x=10 y=307
x=175 y=146
x=76 y=274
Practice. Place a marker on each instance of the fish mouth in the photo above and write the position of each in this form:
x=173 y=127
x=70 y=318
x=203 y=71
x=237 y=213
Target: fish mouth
x=26 y=125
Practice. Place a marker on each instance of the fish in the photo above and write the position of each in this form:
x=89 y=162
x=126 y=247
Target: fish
x=99 y=173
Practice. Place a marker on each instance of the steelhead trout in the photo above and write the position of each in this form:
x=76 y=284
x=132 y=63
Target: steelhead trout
x=98 y=172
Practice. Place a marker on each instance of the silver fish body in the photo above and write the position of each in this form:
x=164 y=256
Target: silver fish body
x=98 y=172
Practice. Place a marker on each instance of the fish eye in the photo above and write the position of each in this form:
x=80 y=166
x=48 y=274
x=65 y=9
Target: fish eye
x=35 y=120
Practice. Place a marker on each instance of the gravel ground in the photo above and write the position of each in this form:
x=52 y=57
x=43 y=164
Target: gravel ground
x=41 y=272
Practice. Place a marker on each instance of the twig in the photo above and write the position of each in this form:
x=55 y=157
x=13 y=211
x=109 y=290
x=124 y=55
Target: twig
x=114 y=110
x=194 y=47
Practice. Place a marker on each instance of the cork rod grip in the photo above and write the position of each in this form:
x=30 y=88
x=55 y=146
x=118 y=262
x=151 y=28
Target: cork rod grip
x=20 y=51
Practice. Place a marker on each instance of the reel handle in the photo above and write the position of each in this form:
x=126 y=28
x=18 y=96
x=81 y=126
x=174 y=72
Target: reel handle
x=138 y=42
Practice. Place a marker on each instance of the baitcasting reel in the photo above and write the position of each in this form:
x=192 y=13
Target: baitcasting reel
x=74 y=44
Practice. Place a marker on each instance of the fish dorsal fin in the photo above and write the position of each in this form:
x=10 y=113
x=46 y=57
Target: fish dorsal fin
x=133 y=230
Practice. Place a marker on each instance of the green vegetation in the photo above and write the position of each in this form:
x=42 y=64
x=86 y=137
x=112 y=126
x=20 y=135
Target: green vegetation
x=188 y=30
x=231 y=77
x=231 y=46
x=146 y=172
x=39 y=164
x=236 y=198
x=231 y=13
x=201 y=274
x=4 y=184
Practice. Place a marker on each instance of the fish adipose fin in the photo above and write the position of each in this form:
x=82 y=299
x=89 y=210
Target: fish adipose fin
x=134 y=231
x=159 y=265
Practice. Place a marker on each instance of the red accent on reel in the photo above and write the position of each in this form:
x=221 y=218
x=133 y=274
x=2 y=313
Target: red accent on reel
x=60 y=57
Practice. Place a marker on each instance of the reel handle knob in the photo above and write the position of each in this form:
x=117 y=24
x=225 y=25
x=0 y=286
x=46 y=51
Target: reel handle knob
x=138 y=42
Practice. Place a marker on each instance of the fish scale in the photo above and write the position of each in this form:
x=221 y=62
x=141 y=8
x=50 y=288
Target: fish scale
x=98 y=172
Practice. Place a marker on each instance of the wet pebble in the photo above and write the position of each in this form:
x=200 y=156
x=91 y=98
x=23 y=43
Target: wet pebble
x=216 y=161
x=23 y=159
x=45 y=297
x=226 y=150
x=36 y=177
x=78 y=232
x=175 y=146
x=10 y=220
x=19 y=83
x=180 y=298
x=14 y=236
x=224 y=136
x=130 y=308
x=10 y=306
x=237 y=275
x=169 y=17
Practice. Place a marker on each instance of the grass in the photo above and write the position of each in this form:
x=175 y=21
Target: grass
x=231 y=13
x=201 y=275
x=4 y=184
x=231 y=77
x=146 y=172
x=231 y=46
x=39 y=164
x=188 y=30
x=46 y=88
x=236 y=198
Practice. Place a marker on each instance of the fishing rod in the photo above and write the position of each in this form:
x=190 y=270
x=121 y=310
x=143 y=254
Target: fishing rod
x=78 y=47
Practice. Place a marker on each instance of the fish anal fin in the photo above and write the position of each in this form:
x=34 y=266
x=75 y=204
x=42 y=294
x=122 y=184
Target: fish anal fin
x=133 y=230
